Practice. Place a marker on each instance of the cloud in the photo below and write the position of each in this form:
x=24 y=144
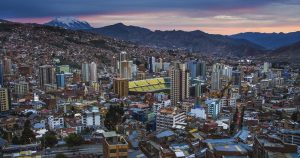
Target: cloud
x=227 y=17
x=50 y=8
x=214 y=16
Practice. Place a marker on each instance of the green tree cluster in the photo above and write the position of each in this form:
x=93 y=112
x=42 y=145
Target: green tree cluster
x=28 y=135
x=74 y=140
x=113 y=117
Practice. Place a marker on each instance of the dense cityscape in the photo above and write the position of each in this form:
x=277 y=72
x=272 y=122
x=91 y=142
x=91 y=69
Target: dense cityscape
x=68 y=90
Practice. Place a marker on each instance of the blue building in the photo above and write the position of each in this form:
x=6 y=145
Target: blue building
x=60 y=80
x=197 y=68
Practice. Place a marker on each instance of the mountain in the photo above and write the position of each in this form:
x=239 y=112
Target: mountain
x=196 y=41
x=69 y=23
x=270 y=40
x=289 y=53
x=37 y=45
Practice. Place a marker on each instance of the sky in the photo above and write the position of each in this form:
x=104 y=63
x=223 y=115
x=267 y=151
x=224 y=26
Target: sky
x=212 y=16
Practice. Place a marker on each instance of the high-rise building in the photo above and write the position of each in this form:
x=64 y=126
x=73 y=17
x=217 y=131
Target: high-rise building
x=213 y=108
x=4 y=99
x=179 y=83
x=141 y=75
x=1 y=74
x=123 y=56
x=93 y=72
x=7 y=66
x=85 y=72
x=120 y=87
x=159 y=65
x=227 y=71
x=151 y=64
x=218 y=67
x=197 y=68
x=266 y=67
x=198 y=89
x=21 y=88
x=215 y=80
x=236 y=78
x=46 y=75
x=201 y=69
x=114 y=145
x=126 y=69
x=114 y=64
x=60 y=80
x=166 y=66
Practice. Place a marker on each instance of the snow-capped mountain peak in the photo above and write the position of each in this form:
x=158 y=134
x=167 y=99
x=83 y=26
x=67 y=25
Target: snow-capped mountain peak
x=69 y=23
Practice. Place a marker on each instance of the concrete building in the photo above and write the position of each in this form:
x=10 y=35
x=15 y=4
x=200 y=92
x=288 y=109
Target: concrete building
x=7 y=65
x=197 y=69
x=179 y=83
x=55 y=122
x=91 y=117
x=169 y=118
x=198 y=112
x=227 y=72
x=121 y=87
x=93 y=72
x=266 y=67
x=123 y=56
x=266 y=147
x=216 y=80
x=63 y=68
x=236 y=78
x=4 y=99
x=213 y=108
x=1 y=74
x=126 y=69
x=60 y=80
x=46 y=75
x=228 y=102
x=21 y=88
x=114 y=145
x=166 y=66
x=85 y=72
x=151 y=64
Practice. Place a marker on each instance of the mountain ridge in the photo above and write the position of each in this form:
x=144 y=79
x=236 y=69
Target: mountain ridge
x=270 y=40
x=196 y=41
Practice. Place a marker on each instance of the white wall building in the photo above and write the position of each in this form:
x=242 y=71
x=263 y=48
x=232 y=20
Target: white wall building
x=55 y=122
x=91 y=117
x=169 y=118
x=93 y=72
x=228 y=102
x=198 y=113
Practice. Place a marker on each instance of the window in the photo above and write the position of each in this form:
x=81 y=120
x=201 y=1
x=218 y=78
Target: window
x=122 y=150
x=113 y=151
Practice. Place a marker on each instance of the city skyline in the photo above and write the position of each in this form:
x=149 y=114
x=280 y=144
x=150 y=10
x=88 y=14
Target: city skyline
x=215 y=17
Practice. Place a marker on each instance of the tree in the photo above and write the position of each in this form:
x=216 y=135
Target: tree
x=27 y=135
x=3 y=134
x=49 y=139
x=74 y=140
x=294 y=116
x=113 y=117
x=60 y=155
x=16 y=140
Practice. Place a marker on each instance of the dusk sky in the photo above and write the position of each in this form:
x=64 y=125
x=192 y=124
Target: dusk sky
x=212 y=16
